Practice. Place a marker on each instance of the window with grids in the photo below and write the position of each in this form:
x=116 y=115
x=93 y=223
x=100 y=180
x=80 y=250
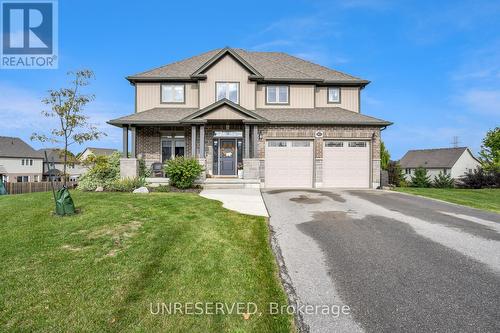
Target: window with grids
x=172 y=93
x=333 y=95
x=277 y=95
x=228 y=90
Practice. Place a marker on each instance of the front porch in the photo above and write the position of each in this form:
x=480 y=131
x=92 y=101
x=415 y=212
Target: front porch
x=226 y=150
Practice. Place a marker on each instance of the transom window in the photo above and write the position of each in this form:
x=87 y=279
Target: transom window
x=228 y=90
x=296 y=143
x=333 y=95
x=357 y=144
x=334 y=144
x=277 y=94
x=276 y=143
x=172 y=93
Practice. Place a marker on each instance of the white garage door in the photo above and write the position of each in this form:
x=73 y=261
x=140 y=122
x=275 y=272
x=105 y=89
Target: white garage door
x=346 y=164
x=289 y=163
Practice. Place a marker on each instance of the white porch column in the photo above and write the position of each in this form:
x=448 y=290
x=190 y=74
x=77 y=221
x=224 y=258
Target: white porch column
x=193 y=141
x=125 y=142
x=247 y=142
x=132 y=142
x=202 y=141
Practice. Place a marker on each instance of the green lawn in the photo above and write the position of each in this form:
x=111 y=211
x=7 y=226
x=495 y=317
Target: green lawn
x=488 y=199
x=100 y=270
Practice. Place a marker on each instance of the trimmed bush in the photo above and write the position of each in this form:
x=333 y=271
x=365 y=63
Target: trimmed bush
x=480 y=178
x=126 y=184
x=420 y=178
x=182 y=171
x=103 y=171
x=443 y=181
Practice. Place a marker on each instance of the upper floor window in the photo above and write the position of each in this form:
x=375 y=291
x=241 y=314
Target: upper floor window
x=333 y=95
x=228 y=90
x=277 y=94
x=172 y=93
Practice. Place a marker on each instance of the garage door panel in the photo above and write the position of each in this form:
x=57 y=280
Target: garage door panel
x=289 y=163
x=346 y=164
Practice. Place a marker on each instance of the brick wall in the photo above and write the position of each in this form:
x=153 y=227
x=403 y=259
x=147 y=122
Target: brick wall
x=148 y=141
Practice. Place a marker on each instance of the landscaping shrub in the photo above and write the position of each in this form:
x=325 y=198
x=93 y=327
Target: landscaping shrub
x=420 y=178
x=182 y=172
x=480 y=178
x=126 y=184
x=160 y=188
x=443 y=180
x=396 y=176
x=103 y=171
x=143 y=171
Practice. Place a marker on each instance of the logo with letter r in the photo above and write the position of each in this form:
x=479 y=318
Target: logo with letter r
x=27 y=27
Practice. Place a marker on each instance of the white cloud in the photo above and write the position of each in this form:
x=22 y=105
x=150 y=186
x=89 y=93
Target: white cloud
x=483 y=101
x=21 y=108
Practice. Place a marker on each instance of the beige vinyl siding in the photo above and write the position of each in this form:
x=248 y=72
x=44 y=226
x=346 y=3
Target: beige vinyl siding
x=349 y=98
x=224 y=112
x=299 y=96
x=228 y=70
x=148 y=96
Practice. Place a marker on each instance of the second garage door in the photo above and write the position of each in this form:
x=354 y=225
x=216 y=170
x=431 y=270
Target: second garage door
x=346 y=164
x=289 y=163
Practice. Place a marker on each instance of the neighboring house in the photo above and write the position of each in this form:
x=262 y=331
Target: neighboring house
x=281 y=120
x=453 y=161
x=96 y=152
x=18 y=161
x=56 y=155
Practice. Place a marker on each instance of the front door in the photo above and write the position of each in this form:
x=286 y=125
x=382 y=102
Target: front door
x=227 y=157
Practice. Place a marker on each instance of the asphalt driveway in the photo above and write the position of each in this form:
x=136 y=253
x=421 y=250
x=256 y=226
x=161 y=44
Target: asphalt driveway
x=399 y=262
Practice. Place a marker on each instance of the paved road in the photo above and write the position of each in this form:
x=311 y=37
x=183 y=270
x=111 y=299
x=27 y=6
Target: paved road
x=401 y=263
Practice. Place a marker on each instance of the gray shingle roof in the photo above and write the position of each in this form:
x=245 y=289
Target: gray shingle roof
x=432 y=158
x=270 y=66
x=333 y=116
x=53 y=153
x=15 y=147
x=102 y=151
x=155 y=116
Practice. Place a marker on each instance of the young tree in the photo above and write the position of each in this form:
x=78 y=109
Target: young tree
x=443 y=180
x=396 y=176
x=490 y=150
x=67 y=105
x=420 y=178
x=385 y=157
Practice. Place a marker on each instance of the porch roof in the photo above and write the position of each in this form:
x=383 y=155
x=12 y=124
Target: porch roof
x=301 y=116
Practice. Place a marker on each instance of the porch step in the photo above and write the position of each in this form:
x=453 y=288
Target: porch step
x=221 y=183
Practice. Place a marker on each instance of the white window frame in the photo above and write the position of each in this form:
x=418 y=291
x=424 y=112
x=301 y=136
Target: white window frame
x=278 y=87
x=172 y=86
x=227 y=83
x=330 y=101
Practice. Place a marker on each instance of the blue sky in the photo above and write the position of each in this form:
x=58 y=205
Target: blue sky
x=434 y=65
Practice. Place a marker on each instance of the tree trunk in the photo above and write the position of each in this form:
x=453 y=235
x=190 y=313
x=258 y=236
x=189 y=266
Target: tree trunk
x=65 y=158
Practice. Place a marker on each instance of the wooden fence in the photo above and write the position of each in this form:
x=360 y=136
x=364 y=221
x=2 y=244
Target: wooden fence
x=20 y=188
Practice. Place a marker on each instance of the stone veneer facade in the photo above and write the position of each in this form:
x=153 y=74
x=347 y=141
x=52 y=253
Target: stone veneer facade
x=148 y=144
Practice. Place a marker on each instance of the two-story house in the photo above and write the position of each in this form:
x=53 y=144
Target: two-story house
x=19 y=162
x=283 y=121
x=55 y=166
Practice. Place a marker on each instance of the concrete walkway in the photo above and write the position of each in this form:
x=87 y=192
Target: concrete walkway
x=246 y=201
